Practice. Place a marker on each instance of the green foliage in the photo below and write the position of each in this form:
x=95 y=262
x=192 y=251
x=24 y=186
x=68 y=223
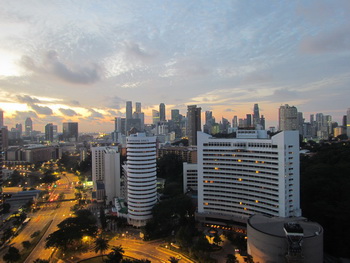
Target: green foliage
x=103 y=220
x=173 y=260
x=169 y=215
x=170 y=168
x=26 y=244
x=38 y=260
x=116 y=255
x=12 y=255
x=72 y=229
x=231 y=258
x=101 y=245
x=48 y=179
x=325 y=184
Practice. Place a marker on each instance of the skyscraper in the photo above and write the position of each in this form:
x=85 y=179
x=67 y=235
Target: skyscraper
x=1 y=118
x=175 y=115
x=28 y=126
x=70 y=131
x=128 y=113
x=138 y=107
x=256 y=115
x=49 y=132
x=162 y=114
x=155 y=116
x=348 y=123
x=141 y=178
x=288 y=118
x=193 y=123
x=249 y=120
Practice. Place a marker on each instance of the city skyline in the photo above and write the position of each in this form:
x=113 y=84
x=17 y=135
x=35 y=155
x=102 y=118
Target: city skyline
x=81 y=61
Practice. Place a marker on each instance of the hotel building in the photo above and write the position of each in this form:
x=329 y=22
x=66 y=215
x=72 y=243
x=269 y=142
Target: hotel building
x=247 y=175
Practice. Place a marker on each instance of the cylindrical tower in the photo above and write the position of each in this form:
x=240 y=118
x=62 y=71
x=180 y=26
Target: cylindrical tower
x=142 y=178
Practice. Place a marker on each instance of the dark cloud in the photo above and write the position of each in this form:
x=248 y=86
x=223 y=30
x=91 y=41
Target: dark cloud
x=75 y=102
x=41 y=109
x=94 y=114
x=27 y=99
x=134 y=50
x=283 y=95
x=116 y=102
x=78 y=74
x=333 y=41
x=22 y=115
x=68 y=112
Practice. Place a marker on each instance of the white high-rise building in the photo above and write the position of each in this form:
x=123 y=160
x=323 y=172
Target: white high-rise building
x=141 y=178
x=106 y=169
x=246 y=175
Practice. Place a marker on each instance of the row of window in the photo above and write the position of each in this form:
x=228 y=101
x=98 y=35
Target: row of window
x=218 y=171
x=240 y=205
x=241 y=151
x=244 y=187
x=241 y=165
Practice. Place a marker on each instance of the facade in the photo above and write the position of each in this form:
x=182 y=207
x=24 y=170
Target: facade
x=1 y=118
x=193 y=123
x=246 y=175
x=106 y=170
x=162 y=114
x=348 y=123
x=256 y=115
x=141 y=178
x=190 y=175
x=129 y=110
x=280 y=239
x=70 y=131
x=49 y=132
x=28 y=127
x=187 y=154
x=288 y=118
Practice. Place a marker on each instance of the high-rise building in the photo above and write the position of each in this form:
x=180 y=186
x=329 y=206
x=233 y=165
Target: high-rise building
x=141 y=178
x=246 y=175
x=256 y=115
x=1 y=118
x=1 y=163
x=288 y=118
x=348 y=123
x=49 y=132
x=249 y=120
x=162 y=114
x=235 y=121
x=155 y=116
x=128 y=113
x=70 y=131
x=193 y=123
x=106 y=171
x=175 y=115
x=28 y=127
x=138 y=107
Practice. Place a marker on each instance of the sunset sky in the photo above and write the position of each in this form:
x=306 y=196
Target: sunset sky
x=82 y=60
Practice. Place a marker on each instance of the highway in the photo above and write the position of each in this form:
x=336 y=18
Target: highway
x=51 y=212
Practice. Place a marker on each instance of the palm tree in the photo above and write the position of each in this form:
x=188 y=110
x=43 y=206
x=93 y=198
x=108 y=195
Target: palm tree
x=116 y=255
x=230 y=258
x=173 y=260
x=101 y=245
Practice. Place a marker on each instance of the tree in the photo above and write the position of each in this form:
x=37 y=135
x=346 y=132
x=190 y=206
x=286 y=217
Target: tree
x=26 y=244
x=101 y=245
x=173 y=260
x=103 y=220
x=116 y=255
x=38 y=260
x=6 y=208
x=12 y=255
x=230 y=258
x=217 y=239
x=72 y=229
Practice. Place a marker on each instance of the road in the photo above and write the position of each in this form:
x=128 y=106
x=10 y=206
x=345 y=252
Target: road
x=49 y=212
x=137 y=249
